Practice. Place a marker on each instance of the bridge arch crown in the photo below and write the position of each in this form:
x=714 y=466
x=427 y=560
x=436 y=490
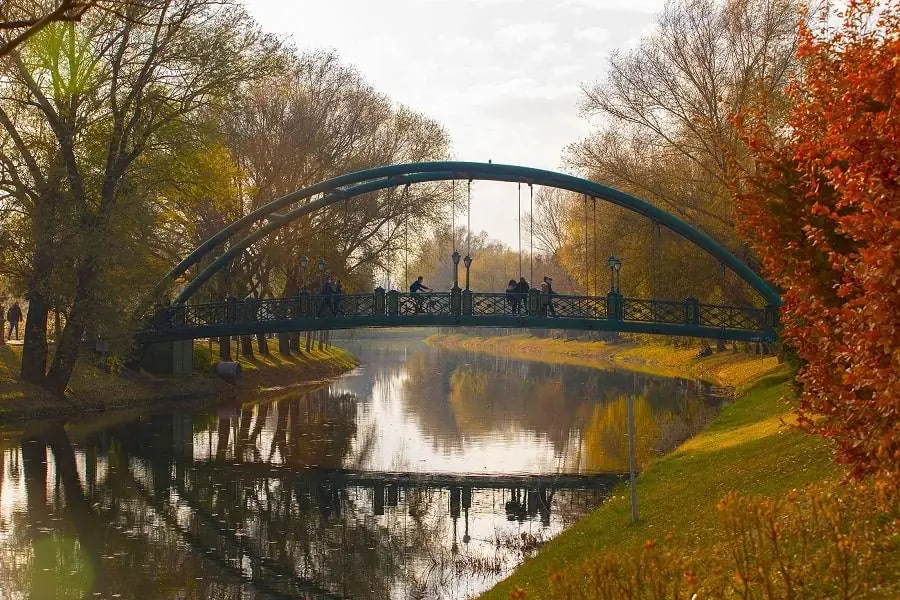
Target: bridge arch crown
x=345 y=187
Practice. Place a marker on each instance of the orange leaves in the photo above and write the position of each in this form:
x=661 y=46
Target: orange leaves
x=830 y=236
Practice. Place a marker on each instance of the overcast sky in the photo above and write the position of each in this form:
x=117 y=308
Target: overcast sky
x=502 y=76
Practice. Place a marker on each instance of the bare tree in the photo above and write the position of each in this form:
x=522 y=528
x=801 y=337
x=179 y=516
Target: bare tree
x=666 y=105
x=102 y=98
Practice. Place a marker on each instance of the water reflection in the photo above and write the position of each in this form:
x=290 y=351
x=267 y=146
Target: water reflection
x=425 y=474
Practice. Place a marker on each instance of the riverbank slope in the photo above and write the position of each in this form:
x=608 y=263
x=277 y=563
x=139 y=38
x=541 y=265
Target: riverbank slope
x=95 y=391
x=751 y=448
x=728 y=368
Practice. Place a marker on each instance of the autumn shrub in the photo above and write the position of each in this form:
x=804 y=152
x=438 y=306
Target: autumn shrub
x=821 y=205
x=822 y=542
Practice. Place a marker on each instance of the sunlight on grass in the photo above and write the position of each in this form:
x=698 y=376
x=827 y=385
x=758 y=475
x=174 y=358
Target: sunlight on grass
x=746 y=448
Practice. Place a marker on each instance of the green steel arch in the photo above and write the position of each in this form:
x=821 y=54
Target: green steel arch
x=268 y=219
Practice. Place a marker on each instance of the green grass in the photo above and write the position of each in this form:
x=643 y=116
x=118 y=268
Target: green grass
x=729 y=368
x=749 y=448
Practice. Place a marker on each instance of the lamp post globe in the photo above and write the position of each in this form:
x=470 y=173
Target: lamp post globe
x=455 y=257
x=468 y=262
x=614 y=264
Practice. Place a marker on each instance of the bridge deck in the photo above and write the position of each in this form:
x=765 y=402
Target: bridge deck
x=612 y=312
x=371 y=479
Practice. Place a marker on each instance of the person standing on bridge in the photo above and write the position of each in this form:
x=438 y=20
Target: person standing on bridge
x=338 y=292
x=522 y=295
x=327 y=294
x=14 y=317
x=416 y=289
x=547 y=294
x=512 y=296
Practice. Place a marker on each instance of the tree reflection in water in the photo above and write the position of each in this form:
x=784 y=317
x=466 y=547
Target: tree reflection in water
x=267 y=499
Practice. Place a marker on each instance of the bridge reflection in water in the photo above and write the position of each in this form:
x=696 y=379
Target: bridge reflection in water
x=295 y=497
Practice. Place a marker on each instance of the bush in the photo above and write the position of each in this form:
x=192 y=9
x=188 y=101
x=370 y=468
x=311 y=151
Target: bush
x=204 y=359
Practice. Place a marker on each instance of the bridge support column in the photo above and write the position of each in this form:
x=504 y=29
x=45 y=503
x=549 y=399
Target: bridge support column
x=169 y=358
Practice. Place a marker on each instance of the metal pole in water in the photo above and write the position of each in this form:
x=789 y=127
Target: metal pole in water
x=631 y=458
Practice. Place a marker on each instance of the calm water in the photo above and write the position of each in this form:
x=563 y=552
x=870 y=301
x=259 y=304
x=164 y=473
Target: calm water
x=422 y=474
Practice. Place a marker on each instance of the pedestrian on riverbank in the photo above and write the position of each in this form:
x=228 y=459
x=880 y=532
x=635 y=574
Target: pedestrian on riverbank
x=512 y=296
x=14 y=317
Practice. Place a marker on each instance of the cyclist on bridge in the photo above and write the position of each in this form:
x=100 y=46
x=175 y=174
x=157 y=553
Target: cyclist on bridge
x=416 y=288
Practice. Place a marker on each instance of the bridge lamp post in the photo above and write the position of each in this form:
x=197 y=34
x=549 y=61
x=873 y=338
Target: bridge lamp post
x=321 y=267
x=455 y=256
x=468 y=262
x=614 y=264
x=304 y=266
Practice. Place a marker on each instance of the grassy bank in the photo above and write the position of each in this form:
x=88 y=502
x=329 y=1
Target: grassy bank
x=750 y=448
x=726 y=368
x=747 y=448
x=93 y=390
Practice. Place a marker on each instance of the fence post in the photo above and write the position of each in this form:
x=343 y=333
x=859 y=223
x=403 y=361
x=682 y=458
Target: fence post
x=692 y=311
x=614 y=306
x=303 y=306
x=180 y=315
x=771 y=316
x=468 y=303
x=534 y=302
x=456 y=301
x=393 y=303
x=379 y=301
x=231 y=309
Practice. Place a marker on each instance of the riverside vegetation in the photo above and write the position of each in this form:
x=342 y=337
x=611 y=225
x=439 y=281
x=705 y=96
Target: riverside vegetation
x=751 y=507
x=94 y=390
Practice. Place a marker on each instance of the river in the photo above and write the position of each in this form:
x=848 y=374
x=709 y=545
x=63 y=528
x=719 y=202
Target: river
x=424 y=473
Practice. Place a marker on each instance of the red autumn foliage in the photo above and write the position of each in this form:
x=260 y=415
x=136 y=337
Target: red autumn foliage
x=822 y=208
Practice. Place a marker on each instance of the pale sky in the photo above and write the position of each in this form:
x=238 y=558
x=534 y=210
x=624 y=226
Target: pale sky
x=502 y=76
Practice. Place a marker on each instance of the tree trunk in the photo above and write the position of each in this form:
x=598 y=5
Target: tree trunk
x=247 y=346
x=262 y=343
x=34 y=348
x=67 y=347
x=284 y=344
x=295 y=342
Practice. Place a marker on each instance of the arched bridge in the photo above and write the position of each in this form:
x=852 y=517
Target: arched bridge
x=612 y=312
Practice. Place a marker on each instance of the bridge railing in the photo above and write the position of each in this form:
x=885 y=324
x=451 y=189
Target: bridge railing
x=464 y=305
x=734 y=317
x=656 y=311
x=424 y=303
x=579 y=307
x=486 y=304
